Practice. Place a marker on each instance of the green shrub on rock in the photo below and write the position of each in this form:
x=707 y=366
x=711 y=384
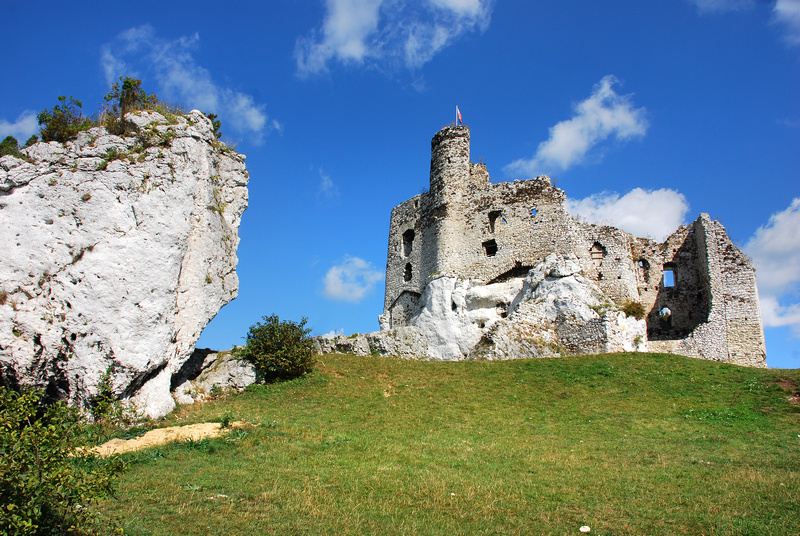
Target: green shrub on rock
x=634 y=309
x=279 y=350
x=10 y=146
x=64 y=121
x=47 y=483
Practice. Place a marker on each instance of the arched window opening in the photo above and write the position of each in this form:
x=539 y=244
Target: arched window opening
x=490 y=248
x=644 y=270
x=493 y=215
x=665 y=315
x=408 y=242
x=407 y=273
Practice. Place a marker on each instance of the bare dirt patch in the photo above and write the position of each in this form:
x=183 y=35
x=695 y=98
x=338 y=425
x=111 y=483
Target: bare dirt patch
x=791 y=387
x=160 y=436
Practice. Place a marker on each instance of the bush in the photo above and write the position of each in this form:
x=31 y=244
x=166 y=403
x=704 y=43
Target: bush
x=47 y=483
x=216 y=123
x=10 y=146
x=126 y=96
x=279 y=350
x=64 y=121
x=634 y=309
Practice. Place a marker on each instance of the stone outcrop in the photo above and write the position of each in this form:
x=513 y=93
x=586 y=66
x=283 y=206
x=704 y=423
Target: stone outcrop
x=553 y=311
x=206 y=373
x=117 y=251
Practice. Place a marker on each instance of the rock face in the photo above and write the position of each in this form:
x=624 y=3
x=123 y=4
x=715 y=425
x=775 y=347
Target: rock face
x=206 y=371
x=116 y=254
x=554 y=310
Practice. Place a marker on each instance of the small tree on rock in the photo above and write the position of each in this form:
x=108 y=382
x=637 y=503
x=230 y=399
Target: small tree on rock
x=64 y=121
x=126 y=96
x=9 y=146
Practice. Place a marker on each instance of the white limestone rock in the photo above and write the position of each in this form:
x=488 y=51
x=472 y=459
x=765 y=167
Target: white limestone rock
x=118 y=267
x=205 y=371
x=555 y=310
x=407 y=342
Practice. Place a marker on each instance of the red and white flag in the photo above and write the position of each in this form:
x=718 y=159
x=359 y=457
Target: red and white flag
x=458 y=116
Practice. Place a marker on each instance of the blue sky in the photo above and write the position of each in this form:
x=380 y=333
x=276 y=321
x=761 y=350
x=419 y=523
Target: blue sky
x=645 y=113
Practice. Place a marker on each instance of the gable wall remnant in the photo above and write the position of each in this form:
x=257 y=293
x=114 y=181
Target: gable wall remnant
x=697 y=288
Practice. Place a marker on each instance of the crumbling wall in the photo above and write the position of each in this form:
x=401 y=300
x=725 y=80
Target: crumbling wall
x=698 y=289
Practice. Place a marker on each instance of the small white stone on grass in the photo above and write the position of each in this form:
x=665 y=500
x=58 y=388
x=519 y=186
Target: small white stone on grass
x=585 y=528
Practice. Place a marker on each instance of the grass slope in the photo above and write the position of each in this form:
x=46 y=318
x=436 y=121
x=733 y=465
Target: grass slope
x=626 y=444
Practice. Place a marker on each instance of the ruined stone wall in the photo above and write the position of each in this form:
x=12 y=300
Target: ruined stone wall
x=697 y=288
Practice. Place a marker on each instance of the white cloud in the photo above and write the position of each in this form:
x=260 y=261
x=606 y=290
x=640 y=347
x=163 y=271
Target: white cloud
x=708 y=6
x=787 y=14
x=388 y=32
x=351 y=280
x=140 y=53
x=603 y=115
x=655 y=214
x=327 y=189
x=333 y=333
x=23 y=128
x=775 y=249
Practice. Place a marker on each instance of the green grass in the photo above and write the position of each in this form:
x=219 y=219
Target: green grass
x=627 y=444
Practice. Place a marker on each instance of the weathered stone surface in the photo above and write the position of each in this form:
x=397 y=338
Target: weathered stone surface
x=464 y=234
x=205 y=371
x=355 y=344
x=116 y=262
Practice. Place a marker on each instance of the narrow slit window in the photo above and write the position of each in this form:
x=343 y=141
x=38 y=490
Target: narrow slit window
x=407 y=273
x=408 y=242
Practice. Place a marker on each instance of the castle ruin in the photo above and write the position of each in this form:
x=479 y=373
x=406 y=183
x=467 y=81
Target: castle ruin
x=465 y=253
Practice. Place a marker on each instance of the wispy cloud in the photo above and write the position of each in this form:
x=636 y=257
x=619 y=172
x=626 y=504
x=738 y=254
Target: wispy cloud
x=392 y=32
x=351 y=280
x=655 y=213
x=140 y=53
x=327 y=190
x=775 y=249
x=709 y=6
x=785 y=13
x=23 y=128
x=603 y=115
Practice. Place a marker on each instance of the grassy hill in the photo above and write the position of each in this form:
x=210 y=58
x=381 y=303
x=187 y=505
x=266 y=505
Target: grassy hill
x=627 y=444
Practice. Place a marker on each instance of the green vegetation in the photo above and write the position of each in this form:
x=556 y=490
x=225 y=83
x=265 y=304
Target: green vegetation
x=10 y=146
x=47 y=485
x=64 y=121
x=634 y=309
x=626 y=444
x=125 y=96
x=279 y=349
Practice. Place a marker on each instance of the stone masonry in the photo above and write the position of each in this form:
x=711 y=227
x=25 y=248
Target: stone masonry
x=465 y=233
